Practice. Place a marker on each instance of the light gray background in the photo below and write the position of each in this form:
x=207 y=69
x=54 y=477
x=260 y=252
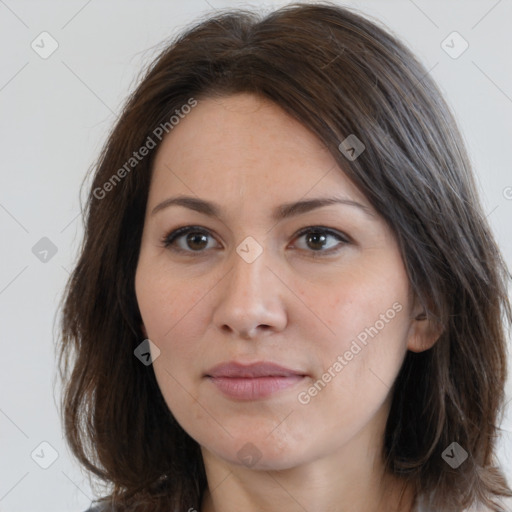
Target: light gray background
x=55 y=115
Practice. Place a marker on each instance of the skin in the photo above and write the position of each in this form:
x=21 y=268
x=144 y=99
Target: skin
x=209 y=305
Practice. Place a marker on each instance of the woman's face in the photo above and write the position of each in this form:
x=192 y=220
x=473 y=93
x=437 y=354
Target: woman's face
x=321 y=290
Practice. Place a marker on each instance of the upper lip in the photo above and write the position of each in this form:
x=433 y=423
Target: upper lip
x=258 y=369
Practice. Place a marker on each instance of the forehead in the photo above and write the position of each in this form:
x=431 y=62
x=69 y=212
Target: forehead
x=245 y=146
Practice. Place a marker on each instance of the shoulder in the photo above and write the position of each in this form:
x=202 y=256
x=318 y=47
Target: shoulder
x=503 y=502
x=506 y=503
x=421 y=505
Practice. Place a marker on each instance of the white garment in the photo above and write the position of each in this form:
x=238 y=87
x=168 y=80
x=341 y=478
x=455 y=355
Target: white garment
x=422 y=507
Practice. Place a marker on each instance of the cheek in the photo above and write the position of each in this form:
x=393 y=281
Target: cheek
x=358 y=300
x=173 y=317
x=358 y=361
x=366 y=312
x=169 y=306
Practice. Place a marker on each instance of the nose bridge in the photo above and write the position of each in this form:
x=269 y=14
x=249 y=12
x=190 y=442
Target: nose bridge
x=249 y=269
x=251 y=296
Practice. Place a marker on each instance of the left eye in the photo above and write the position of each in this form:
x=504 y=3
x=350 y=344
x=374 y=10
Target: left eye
x=316 y=238
x=196 y=240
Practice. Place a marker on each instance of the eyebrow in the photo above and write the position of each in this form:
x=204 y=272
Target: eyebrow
x=282 y=212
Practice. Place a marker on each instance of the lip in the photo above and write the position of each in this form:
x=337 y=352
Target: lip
x=254 y=381
x=253 y=370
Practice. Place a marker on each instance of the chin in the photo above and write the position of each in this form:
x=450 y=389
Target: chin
x=261 y=453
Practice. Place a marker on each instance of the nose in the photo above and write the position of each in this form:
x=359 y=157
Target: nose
x=250 y=300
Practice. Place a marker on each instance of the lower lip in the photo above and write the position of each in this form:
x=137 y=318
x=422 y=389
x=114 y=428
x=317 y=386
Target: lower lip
x=253 y=388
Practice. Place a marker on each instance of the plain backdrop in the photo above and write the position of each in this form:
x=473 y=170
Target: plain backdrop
x=55 y=115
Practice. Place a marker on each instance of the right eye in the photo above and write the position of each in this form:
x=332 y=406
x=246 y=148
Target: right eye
x=196 y=240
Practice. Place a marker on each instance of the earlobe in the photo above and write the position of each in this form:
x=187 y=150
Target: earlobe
x=142 y=326
x=424 y=333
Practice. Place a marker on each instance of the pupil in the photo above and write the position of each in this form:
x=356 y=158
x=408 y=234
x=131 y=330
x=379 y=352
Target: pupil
x=316 y=237
x=192 y=238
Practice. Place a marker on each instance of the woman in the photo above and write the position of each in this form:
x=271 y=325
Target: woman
x=288 y=297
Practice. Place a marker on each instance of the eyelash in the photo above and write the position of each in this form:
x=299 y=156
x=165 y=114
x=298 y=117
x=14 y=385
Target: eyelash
x=170 y=238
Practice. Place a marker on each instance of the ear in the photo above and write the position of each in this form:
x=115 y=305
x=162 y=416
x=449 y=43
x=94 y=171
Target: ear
x=143 y=327
x=424 y=331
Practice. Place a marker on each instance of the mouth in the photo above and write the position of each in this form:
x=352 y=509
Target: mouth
x=254 y=381
x=254 y=388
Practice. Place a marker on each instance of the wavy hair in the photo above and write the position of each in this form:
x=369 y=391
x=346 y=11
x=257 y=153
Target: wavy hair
x=338 y=74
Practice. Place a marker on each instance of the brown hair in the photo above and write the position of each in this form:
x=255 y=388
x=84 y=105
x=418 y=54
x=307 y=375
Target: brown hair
x=338 y=74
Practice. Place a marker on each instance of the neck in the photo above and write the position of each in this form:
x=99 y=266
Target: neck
x=316 y=487
x=345 y=478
